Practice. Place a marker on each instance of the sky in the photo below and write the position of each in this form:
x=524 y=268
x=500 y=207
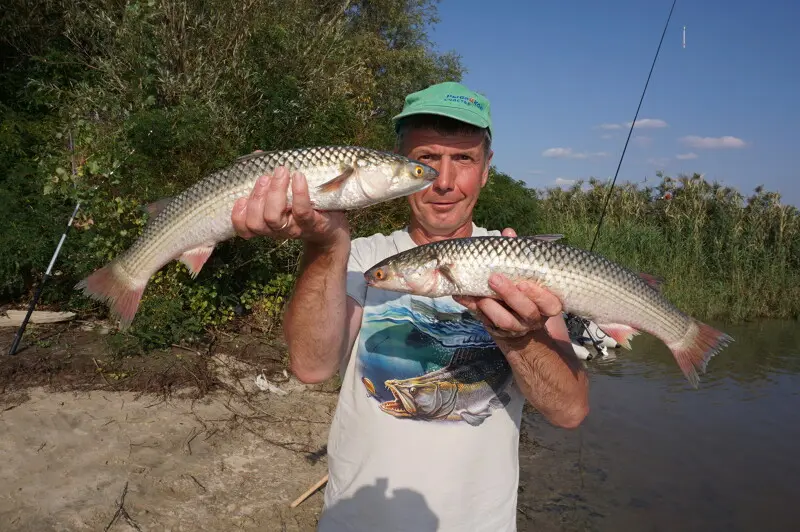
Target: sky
x=564 y=80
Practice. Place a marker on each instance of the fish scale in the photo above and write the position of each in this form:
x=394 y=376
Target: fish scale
x=189 y=226
x=620 y=301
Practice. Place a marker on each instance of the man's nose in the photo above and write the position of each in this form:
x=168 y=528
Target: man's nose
x=447 y=176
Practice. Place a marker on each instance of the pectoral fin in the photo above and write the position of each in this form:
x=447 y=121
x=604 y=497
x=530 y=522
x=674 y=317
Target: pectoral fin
x=446 y=270
x=337 y=182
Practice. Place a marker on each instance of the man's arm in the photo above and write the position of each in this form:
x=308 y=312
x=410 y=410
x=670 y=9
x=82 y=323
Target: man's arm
x=549 y=374
x=321 y=321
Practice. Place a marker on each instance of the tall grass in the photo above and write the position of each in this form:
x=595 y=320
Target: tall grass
x=722 y=255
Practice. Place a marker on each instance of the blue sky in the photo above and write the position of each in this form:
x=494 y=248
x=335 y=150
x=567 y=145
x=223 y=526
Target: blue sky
x=557 y=72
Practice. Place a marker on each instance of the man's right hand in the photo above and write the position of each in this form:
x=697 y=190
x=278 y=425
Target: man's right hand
x=265 y=213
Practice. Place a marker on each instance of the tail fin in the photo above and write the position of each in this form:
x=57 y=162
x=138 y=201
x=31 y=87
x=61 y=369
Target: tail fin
x=697 y=348
x=107 y=286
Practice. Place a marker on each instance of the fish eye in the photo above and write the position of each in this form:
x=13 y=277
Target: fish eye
x=412 y=390
x=379 y=275
x=418 y=171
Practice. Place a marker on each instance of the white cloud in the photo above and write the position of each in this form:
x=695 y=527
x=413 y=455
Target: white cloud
x=642 y=140
x=568 y=153
x=606 y=136
x=686 y=156
x=562 y=181
x=713 y=142
x=658 y=161
x=648 y=123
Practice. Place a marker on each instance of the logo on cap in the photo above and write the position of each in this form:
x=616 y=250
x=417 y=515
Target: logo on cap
x=466 y=100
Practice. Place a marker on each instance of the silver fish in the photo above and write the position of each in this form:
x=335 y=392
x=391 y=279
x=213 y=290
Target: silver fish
x=621 y=302
x=189 y=226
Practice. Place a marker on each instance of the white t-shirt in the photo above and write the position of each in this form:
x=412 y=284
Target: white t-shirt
x=426 y=431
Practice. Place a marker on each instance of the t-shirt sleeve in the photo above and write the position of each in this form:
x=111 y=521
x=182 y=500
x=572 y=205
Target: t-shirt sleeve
x=362 y=253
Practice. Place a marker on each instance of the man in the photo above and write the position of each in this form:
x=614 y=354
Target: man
x=426 y=431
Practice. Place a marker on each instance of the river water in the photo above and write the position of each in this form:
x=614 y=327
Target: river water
x=655 y=454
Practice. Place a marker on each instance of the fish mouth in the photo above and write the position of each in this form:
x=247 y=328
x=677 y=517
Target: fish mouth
x=400 y=406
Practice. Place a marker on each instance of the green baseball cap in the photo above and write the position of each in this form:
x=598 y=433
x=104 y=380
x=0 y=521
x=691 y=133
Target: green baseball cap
x=449 y=99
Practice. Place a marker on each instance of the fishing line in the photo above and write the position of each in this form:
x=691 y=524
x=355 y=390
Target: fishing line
x=630 y=130
x=584 y=323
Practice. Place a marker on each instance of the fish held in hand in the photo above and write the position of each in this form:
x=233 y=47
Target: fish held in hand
x=189 y=226
x=621 y=302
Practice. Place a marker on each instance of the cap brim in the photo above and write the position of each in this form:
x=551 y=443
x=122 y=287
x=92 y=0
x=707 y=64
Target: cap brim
x=462 y=115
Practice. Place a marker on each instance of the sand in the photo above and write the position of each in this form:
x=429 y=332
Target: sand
x=185 y=435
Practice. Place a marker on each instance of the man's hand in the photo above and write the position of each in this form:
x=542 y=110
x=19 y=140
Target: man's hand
x=520 y=309
x=265 y=212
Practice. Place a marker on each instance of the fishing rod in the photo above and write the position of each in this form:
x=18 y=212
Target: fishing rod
x=570 y=318
x=38 y=293
x=32 y=305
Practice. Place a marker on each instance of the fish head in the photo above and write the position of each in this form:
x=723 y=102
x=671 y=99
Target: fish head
x=394 y=177
x=409 y=272
x=417 y=398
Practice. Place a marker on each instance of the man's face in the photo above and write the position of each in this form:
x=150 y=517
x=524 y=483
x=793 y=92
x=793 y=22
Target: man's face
x=463 y=170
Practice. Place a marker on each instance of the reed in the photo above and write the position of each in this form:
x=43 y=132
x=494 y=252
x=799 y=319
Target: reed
x=722 y=255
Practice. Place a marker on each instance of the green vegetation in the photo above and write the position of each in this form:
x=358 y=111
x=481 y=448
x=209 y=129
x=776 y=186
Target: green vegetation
x=153 y=95
x=722 y=255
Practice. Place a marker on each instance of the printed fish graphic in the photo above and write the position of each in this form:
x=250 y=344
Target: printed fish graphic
x=467 y=389
x=188 y=227
x=621 y=302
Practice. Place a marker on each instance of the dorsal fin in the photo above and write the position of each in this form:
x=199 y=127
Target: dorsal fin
x=548 y=238
x=257 y=153
x=653 y=280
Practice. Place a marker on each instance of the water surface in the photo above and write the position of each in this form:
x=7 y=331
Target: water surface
x=656 y=454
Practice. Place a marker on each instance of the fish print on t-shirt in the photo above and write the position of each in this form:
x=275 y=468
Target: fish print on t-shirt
x=431 y=360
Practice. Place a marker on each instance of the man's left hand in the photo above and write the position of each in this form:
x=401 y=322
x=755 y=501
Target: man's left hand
x=518 y=310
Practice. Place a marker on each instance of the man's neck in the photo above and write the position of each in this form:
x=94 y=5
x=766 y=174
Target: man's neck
x=420 y=236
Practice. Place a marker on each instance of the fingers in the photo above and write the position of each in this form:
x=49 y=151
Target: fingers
x=238 y=217
x=302 y=210
x=547 y=303
x=272 y=211
x=508 y=232
x=517 y=308
x=264 y=212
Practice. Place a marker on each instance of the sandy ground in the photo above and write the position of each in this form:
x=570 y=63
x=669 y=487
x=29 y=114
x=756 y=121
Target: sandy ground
x=180 y=440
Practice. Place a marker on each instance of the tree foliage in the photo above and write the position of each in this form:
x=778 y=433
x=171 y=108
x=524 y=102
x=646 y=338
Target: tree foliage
x=119 y=103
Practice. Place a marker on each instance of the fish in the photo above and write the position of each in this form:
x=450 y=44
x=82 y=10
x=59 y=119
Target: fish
x=622 y=302
x=467 y=389
x=189 y=226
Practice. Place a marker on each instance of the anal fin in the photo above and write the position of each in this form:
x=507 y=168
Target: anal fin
x=619 y=332
x=195 y=258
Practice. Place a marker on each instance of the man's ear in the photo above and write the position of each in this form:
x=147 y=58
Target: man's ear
x=485 y=176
